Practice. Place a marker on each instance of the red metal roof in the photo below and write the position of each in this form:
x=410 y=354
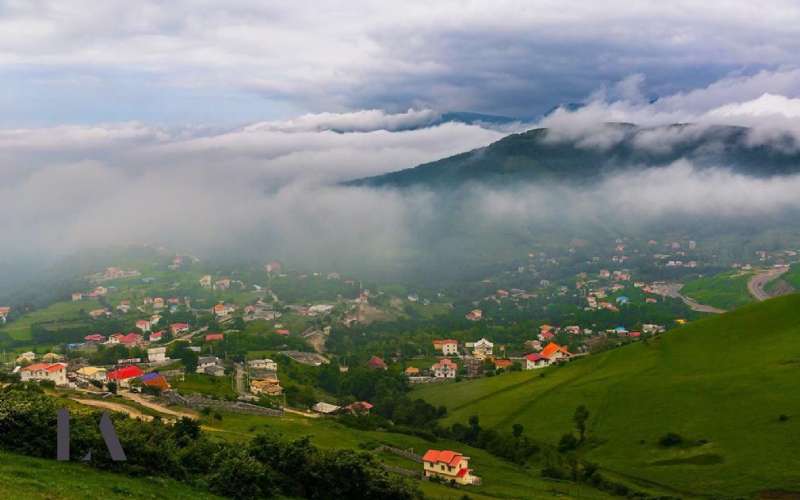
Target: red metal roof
x=451 y=458
x=126 y=373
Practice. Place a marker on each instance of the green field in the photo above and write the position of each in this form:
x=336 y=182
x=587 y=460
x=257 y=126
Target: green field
x=722 y=383
x=725 y=291
x=501 y=479
x=209 y=385
x=36 y=478
x=61 y=311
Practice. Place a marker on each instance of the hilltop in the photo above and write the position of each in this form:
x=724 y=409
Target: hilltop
x=726 y=385
x=538 y=155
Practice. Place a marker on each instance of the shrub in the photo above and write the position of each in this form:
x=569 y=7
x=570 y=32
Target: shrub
x=670 y=439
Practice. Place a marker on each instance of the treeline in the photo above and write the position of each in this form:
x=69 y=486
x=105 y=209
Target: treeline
x=265 y=467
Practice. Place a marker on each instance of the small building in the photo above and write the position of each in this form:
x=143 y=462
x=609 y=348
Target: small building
x=124 y=376
x=155 y=379
x=445 y=368
x=143 y=325
x=210 y=365
x=214 y=337
x=448 y=347
x=474 y=315
x=376 y=363
x=157 y=354
x=156 y=336
x=26 y=357
x=554 y=352
x=177 y=328
x=325 y=408
x=482 y=348
x=266 y=386
x=412 y=371
x=503 y=364
x=449 y=466
x=262 y=364
x=534 y=361
x=95 y=338
x=55 y=372
x=359 y=408
x=89 y=373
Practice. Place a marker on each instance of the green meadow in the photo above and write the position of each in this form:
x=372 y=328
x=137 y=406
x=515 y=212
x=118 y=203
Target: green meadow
x=36 y=478
x=725 y=290
x=60 y=311
x=727 y=385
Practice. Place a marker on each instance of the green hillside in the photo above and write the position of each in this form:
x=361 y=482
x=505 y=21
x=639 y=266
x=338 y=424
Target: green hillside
x=721 y=383
x=36 y=478
x=725 y=291
x=535 y=156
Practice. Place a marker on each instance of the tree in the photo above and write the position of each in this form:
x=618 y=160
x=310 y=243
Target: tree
x=517 y=430
x=568 y=442
x=581 y=416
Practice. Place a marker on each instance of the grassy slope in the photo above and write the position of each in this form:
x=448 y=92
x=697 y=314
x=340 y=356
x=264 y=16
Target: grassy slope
x=724 y=379
x=501 y=479
x=725 y=290
x=219 y=387
x=35 y=478
x=67 y=311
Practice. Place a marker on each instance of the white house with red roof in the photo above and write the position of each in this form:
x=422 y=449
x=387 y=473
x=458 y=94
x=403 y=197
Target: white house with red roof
x=534 y=361
x=55 y=372
x=445 y=368
x=143 y=325
x=448 y=465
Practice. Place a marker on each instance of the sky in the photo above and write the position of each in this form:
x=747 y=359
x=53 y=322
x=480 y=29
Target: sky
x=223 y=126
x=238 y=61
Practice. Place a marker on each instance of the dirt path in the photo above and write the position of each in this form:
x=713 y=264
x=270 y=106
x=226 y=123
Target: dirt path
x=138 y=398
x=757 y=283
x=117 y=407
x=301 y=413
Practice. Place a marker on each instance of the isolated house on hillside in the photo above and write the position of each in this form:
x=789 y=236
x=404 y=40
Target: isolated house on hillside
x=449 y=466
x=554 y=352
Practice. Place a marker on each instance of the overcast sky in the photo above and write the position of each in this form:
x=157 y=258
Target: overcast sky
x=225 y=125
x=239 y=61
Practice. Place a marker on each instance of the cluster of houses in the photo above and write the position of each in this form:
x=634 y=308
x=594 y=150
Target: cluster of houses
x=52 y=368
x=4 y=312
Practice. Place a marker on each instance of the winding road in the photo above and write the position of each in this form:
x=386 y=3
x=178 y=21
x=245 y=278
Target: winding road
x=757 y=283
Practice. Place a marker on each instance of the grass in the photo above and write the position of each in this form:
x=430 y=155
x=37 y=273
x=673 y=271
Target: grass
x=501 y=479
x=36 y=478
x=209 y=385
x=61 y=311
x=726 y=290
x=720 y=382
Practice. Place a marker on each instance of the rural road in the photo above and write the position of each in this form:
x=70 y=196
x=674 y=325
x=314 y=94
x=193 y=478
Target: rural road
x=757 y=283
x=147 y=403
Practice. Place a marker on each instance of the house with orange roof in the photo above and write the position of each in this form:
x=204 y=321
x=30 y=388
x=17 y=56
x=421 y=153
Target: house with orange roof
x=449 y=466
x=552 y=352
x=503 y=363
x=55 y=372
x=448 y=347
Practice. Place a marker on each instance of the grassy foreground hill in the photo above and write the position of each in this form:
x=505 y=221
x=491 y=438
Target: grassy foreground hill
x=727 y=385
x=34 y=478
